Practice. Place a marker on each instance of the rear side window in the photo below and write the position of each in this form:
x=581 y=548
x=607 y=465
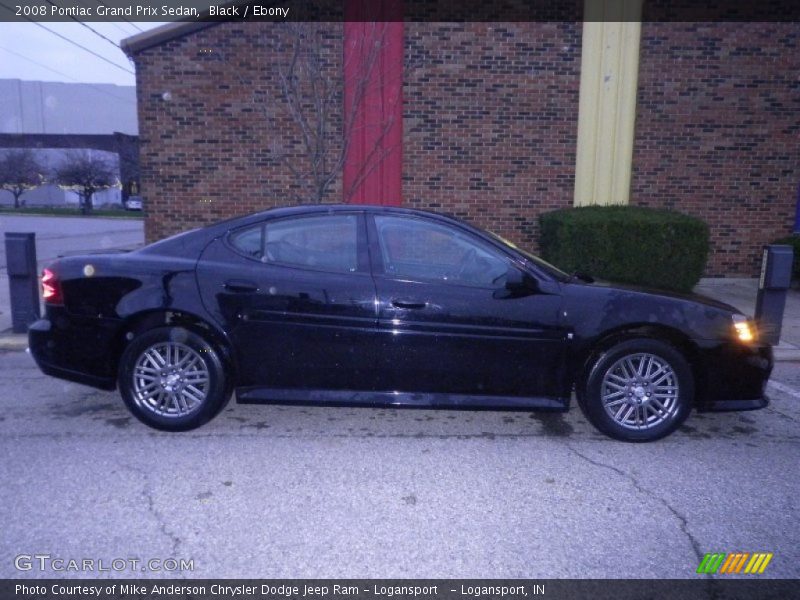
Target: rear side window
x=327 y=242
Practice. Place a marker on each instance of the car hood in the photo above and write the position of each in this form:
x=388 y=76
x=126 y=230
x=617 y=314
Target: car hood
x=690 y=297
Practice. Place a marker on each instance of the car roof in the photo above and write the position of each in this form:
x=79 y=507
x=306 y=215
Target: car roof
x=183 y=242
x=193 y=242
x=299 y=209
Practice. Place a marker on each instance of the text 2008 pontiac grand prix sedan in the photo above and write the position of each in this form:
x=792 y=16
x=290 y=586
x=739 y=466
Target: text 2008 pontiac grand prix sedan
x=378 y=306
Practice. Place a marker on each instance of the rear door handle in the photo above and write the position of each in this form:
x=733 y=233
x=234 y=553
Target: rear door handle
x=241 y=286
x=401 y=303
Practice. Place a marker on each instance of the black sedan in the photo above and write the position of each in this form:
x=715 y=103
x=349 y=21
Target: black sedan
x=377 y=306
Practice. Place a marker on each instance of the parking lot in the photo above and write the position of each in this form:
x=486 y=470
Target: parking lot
x=267 y=491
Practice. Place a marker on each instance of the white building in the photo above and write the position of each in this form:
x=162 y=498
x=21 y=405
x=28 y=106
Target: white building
x=54 y=111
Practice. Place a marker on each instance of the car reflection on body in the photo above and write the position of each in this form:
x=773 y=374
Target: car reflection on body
x=378 y=306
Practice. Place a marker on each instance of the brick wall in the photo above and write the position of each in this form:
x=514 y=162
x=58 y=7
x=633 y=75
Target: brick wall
x=490 y=126
x=490 y=118
x=220 y=145
x=718 y=132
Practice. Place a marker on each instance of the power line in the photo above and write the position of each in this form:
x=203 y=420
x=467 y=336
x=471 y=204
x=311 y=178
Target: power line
x=35 y=62
x=97 y=33
x=108 y=20
x=116 y=24
x=74 y=43
x=123 y=18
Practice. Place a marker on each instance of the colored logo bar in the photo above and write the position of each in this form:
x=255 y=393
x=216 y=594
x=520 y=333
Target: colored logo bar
x=735 y=562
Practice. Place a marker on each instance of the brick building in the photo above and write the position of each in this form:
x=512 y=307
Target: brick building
x=498 y=122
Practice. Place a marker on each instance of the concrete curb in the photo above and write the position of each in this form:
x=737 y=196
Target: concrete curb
x=52 y=216
x=13 y=341
x=786 y=354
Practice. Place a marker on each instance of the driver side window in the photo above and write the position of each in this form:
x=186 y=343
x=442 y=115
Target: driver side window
x=423 y=250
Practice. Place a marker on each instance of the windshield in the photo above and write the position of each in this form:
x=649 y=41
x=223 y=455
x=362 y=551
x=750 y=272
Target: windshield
x=539 y=262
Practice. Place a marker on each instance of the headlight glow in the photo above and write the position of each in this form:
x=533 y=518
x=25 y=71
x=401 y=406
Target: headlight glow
x=745 y=329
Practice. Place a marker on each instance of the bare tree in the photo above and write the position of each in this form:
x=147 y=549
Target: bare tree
x=311 y=88
x=85 y=173
x=20 y=171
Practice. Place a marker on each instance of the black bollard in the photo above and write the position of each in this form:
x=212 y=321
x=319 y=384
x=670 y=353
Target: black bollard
x=776 y=277
x=23 y=280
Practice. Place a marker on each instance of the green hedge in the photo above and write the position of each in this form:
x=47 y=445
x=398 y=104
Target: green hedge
x=794 y=241
x=628 y=244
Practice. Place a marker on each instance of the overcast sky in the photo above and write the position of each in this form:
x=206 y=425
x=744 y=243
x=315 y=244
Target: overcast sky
x=27 y=51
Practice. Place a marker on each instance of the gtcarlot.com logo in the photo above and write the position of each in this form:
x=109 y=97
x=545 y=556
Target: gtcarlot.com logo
x=48 y=562
x=732 y=563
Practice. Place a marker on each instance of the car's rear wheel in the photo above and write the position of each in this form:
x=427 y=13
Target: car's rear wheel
x=171 y=378
x=639 y=390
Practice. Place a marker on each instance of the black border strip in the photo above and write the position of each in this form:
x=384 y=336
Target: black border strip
x=412 y=10
x=370 y=589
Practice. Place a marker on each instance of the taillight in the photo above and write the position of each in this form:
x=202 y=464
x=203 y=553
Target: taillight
x=51 y=288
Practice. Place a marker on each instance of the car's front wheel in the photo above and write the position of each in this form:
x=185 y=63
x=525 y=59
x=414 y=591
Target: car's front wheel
x=171 y=378
x=639 y=390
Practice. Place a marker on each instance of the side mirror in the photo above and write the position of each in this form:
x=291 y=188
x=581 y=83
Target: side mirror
x=517 y=284
x=515 y=279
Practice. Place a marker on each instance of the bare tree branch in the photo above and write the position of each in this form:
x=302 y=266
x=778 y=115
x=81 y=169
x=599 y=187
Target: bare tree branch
x=312 y=87
x=86 y=173
x=20 y=171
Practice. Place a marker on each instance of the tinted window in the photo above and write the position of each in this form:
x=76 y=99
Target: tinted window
x=420 y=249
x=326 y=242
x=249 y=241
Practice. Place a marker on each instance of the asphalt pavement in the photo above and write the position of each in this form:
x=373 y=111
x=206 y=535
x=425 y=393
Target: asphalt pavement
x=266 y=491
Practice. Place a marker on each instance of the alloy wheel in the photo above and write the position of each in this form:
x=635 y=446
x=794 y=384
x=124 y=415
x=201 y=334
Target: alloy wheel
x=170 y=379
x=640 y=391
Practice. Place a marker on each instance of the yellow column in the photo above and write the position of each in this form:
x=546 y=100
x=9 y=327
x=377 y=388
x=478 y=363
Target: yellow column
x=607 y=107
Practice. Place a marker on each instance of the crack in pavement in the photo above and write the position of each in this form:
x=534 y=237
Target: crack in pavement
x=147 y=492
x=783 y=414
x=786 y=390
x=684 y=524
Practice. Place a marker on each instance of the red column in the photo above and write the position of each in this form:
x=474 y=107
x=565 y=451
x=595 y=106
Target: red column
x=373 y=101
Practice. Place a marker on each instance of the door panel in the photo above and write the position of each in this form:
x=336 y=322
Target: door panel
x=301 y=311
x=443 y=325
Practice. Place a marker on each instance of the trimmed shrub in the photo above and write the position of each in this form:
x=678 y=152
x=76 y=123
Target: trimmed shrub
x=627 y=244
x=794 y=241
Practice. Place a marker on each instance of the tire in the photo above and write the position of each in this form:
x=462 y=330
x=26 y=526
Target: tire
x=172 y=379
x=639 y=390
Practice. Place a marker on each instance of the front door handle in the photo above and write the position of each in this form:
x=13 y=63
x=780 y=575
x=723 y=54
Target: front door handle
x=242 y=286
x=401 y=303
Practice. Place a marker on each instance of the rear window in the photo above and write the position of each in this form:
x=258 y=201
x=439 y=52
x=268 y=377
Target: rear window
x=326 y=242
